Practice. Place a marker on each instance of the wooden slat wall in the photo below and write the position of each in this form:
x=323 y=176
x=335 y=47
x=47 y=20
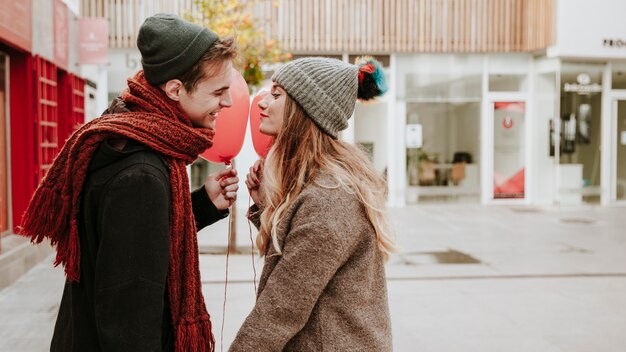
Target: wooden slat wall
x=125 y=16
x=383 y=26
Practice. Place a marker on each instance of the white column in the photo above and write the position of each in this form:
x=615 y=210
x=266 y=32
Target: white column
x=347 y=135
x=102 y=95
x=530 y=135
x=396 y=153
x=486 y=144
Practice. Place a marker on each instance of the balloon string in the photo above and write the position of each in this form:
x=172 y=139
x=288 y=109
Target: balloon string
x=226 y=282
x=251 y=245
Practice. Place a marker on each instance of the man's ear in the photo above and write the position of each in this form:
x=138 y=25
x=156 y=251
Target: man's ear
x=173 y=88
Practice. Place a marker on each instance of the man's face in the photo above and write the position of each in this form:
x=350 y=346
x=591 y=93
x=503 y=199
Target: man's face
x=211 y=95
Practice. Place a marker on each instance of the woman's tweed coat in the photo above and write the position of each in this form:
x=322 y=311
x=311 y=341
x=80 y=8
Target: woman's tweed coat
x=327 y=291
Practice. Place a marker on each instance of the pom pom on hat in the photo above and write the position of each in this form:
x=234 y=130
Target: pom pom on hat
x=372 y=82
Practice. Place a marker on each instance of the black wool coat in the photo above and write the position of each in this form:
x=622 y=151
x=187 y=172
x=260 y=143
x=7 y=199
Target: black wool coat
x=121 y=302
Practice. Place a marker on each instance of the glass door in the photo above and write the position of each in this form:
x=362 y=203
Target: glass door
x=619 y=146
x=509 y=150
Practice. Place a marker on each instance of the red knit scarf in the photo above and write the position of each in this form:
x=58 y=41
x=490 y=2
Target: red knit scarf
x=160 y=124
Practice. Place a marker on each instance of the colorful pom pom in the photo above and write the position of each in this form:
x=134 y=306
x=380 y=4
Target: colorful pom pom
x=371 y=78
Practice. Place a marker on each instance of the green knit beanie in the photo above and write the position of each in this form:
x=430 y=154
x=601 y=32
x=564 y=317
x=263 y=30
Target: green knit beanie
x=170 y=46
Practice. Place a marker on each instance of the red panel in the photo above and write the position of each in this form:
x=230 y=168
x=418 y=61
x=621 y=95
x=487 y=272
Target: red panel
x=78 y=102
x=4 y=166
x=47 y=105
x=23 y=159
x=71 y=104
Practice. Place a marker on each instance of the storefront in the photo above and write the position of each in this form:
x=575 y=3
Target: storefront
x=513 y=128
x=591 y=66
x=509 y=129
x=41 y=97
x=466 y=129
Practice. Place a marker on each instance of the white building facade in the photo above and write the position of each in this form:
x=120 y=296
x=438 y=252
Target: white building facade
x=492 y=102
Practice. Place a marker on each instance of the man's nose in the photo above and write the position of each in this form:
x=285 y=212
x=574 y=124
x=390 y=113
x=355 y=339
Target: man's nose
x=227 y=101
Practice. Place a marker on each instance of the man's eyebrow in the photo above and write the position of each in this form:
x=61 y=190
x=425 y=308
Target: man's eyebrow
x=222 y=88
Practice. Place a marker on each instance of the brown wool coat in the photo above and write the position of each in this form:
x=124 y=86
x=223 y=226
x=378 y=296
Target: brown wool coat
x=327 y=292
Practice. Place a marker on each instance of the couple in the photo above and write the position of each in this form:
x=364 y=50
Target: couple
x=116 y=204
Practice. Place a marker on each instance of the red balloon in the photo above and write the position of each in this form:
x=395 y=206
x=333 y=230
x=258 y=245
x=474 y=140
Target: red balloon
x=231 y=123
x=261 y=142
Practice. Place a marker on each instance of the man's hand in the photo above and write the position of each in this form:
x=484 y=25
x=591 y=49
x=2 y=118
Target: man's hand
x=222 y=188
x=253 y=181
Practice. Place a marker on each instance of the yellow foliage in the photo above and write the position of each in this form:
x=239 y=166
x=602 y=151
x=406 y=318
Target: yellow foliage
x=236 y=18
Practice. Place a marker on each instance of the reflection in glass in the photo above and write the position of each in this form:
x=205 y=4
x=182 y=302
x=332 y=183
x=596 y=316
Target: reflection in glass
x=621 y=151
x=581 y=111
x=446 y=163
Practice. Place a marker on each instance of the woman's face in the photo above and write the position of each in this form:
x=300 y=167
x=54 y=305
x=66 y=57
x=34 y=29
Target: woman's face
x=272 y=111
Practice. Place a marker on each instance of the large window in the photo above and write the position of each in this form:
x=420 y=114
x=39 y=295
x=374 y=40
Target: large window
x=442 y=96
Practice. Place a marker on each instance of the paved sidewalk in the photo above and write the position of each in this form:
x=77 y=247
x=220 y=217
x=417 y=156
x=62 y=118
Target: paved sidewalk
x=541 y=280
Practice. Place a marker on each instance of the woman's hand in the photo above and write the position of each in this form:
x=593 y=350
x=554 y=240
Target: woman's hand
x=253 y=181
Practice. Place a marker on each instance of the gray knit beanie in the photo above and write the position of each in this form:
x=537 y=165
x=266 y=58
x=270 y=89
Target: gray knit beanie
x=325 y=88
x=170 y=46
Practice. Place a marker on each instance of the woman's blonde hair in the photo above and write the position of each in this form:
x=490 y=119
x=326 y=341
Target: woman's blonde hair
x=300 y=153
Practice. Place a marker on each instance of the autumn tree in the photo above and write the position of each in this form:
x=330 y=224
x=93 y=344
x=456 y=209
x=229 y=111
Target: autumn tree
x=232 y=17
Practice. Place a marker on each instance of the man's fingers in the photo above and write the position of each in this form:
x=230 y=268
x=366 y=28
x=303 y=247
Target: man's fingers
x=231 y=188
x=223 y=173
x=229 y=181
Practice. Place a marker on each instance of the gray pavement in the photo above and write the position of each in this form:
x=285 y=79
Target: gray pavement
x=467 y=277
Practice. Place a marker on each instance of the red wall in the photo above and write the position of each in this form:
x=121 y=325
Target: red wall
x=22 y=110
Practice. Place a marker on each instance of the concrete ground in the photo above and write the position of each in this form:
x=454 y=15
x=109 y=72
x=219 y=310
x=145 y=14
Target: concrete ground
x=467 y=277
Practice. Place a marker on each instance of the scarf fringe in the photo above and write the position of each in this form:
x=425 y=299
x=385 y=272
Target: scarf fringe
x=195 y=336
x=47 y=217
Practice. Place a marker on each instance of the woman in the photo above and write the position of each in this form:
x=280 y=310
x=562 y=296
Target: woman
x=321 y=218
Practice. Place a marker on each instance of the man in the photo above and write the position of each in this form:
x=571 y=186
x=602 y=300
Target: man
x=116 y=202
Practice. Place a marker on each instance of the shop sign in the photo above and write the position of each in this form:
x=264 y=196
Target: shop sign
x=61 y=34
x=507 y=122
x=16 y=23
x=589 y=29
x=583 y=86
x=614 y=43
x=414 y=135
x=93 y=41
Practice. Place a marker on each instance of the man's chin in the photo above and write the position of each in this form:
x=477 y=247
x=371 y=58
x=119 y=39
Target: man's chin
x=209 y=125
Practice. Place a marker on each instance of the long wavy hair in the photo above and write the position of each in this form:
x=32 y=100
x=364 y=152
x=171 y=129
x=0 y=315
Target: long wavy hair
x=300 y=153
